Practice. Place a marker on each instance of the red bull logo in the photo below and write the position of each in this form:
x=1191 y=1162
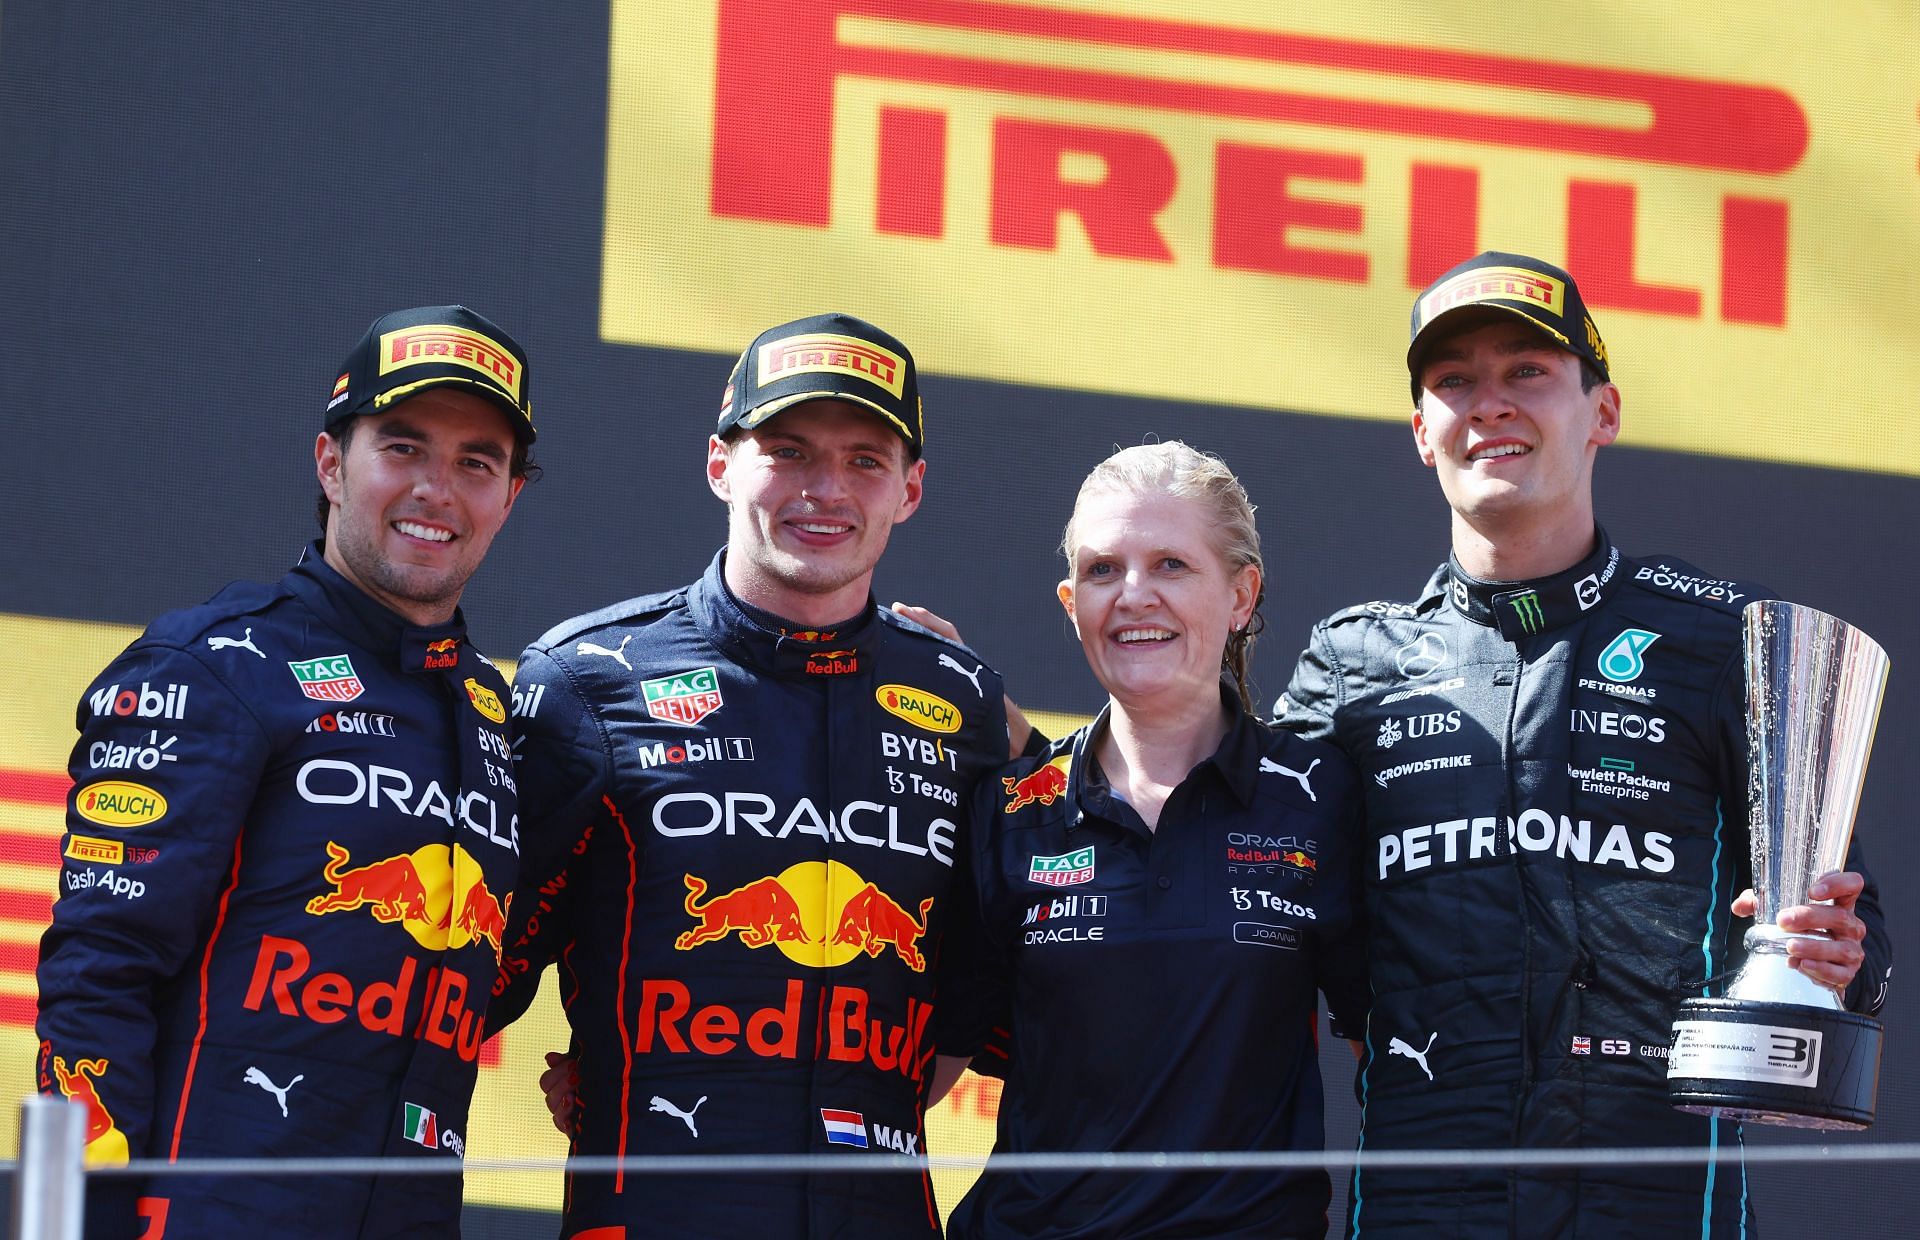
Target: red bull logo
x=872 y=922
x=439 y=895
x=1042 y=787
x=105 y=1142
x=283 y=978
x=670 y=1023
x=833 y=663
x=1299 y=860
x=762 y=912
x=482 y=917
x=442 y=654
x=817 y=913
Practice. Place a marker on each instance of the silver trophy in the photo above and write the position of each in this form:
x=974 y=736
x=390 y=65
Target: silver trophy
x=1781 y=1048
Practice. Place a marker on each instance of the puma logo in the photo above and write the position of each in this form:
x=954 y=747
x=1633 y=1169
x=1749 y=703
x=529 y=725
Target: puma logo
x=618 y=654
x=1268 y=764
x=661 y=1104
x=256 y=1077
x=1397 y=1047
x=947 y=660
x=243 y=642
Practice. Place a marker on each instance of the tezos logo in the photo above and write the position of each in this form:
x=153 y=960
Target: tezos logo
x=1620 y=662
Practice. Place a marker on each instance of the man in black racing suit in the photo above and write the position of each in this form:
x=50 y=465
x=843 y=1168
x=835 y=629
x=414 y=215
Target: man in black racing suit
x=1551 y=738
x=292 y=834
x=743 y=840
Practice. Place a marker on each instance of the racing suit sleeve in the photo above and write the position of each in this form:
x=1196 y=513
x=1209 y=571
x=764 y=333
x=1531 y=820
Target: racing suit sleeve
x=1340 y=946
x=164 y=774
x=975 y=996
x=562 y=765
x=1868 y=992
x=1312 y=695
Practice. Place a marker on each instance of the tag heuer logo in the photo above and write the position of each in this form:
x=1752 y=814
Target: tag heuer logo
x=684 y=697
x=328 y=679
x=1066 y=870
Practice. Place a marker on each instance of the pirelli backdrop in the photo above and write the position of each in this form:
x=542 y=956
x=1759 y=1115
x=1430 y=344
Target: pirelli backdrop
x=1095 y=223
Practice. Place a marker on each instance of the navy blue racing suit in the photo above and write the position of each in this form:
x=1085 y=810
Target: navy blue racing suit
x=290 y=840
x=1555 y=779
x=744 y=847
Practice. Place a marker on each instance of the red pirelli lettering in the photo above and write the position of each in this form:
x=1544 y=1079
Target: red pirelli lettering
x=778 y=62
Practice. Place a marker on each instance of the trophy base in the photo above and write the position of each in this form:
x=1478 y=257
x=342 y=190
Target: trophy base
x=1775 y=1063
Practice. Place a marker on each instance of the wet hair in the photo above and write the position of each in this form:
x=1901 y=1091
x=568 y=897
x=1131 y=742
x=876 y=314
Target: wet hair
x=1174 y=468
x=520 y=465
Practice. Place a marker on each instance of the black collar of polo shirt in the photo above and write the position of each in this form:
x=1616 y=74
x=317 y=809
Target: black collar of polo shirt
x=1521 y=609
x=1236 y=760
x=767 y=643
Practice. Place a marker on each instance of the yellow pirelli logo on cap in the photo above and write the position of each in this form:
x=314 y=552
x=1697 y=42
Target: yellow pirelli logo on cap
x=825 y=352
x=444 y=344
x=1495 y=284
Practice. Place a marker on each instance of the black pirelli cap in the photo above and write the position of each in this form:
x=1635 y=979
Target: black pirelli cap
x=825 y=356
x=408 y=351
x=1527 y=288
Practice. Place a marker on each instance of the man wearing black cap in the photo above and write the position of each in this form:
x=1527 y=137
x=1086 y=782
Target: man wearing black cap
x=1553 y=739
x=743 y=823
x=293 y=832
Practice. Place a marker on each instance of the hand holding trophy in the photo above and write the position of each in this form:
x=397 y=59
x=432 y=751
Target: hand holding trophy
x=1780 y=1048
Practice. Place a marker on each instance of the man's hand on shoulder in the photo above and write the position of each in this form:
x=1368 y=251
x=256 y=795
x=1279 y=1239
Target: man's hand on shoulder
x=1019 y=731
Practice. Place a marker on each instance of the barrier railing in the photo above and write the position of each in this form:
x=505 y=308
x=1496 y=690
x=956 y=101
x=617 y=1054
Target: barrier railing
x=48 y=1200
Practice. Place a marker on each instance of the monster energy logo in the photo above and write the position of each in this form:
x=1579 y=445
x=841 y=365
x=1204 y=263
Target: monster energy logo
x=1527 y=607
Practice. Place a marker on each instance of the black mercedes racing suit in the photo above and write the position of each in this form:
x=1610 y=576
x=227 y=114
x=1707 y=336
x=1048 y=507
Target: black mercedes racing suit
x=743 y=846
x=1555 y=778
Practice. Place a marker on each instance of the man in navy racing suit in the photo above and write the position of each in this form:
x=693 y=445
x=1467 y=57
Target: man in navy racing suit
x=744 y=804
x=292 y=833
x=1551 y=738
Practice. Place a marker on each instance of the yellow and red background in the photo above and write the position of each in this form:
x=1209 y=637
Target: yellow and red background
x=1093 y=222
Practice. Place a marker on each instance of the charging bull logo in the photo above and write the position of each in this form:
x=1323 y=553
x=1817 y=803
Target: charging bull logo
x=105 y=1142
x=1044 y=786
x=763 y=912
x=438 y=894
x=816 y=913
x=872 y=922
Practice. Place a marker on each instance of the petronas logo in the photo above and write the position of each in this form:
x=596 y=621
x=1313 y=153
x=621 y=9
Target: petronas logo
x=1526 y=606
x=1620 y=661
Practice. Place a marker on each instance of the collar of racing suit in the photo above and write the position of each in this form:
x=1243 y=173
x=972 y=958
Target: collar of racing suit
x=768 y=644
x=359 y=617
x=1236 y=761
x=1522 y=608
x=441 y=650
